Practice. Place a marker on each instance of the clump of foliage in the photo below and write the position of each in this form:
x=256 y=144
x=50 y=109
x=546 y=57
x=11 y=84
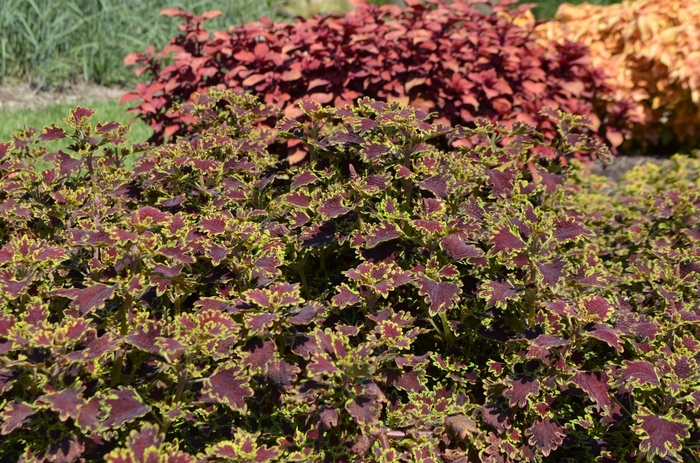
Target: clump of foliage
x=51 y=43
x=384 y=301
x=649 y=49
x=457 y=58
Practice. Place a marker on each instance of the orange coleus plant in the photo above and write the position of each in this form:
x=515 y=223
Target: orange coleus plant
x=651 y=51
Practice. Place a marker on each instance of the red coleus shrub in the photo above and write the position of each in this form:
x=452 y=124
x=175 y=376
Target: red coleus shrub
x=452 y=58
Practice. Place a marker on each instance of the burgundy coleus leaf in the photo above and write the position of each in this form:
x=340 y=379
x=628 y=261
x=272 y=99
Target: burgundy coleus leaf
x=499 y=293
x=68 y=449
x=122 y=236
x=607 y=334
x=51 y=253
x=179 y=254
x=79 y=115
x=216 y=253
x=540 y=347
x=52 y=133
x=89 y=415
x=286 y=294
x=67 y=164
x=6 y=253
x=345 y=297
x=566 y=229
x=164 y=276
x=150 y=216
x=95 y=347
x=229 y=385
x=7 y=377
x=520 y=389
x=244 y=447
x=375 y=183
x=499 y=419
x=144 y=337
x=108 y=127
x=306 y=314
x=260 y=323
x=683 y=366
x=437 y=185
x=660 y=435
x=409 y=381
x=124 y=406
x=258 y=296
x=596 y=309
x=66 y=403
x=213 y=225
x=333 y=207
x=552 y=271
x=318 y=235
x=298 y=198
x=388 y=331
x=460 y=426
x=501 y=181
x=169 y=348
x=595 y=384
x=14 y=415
x=309 y=106
x=7 y=322
x=385 y=231
x=303 y=178
x=545 y=435
x=277 y=295
x=549 y=341
x=561 y=308
x=248 y=449
x=282 y=373
x=364 y=409
x=88 y=299
x=505 y=240
x=321 y=363
x=15 y=288
x=297 y=219
x=259 y=353
x=456 y=247
x=428 y=226
x=440 y=295
x=372 y=152
x=327 y=419
x=143 y=445
x=638 y=372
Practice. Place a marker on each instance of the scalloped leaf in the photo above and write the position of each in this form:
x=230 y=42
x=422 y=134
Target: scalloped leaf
x=229 y=385
x=124 y=406
x=441 y=296
x=660 y=435
x=545 y=435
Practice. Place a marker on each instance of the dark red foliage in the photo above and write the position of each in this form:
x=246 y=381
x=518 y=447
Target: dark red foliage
x=449 y=57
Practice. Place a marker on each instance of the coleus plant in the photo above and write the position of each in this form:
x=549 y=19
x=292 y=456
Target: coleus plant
x=649 y=50
x=383 y=301
x=457 y=58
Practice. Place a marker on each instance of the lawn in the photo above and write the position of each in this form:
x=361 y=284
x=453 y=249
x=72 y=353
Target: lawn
x=105 y=111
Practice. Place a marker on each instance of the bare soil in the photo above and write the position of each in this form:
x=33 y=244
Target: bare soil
x=623 y=163
x=24 y=96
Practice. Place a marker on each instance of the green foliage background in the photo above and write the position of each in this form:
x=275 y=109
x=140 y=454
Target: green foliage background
x=49 y=42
